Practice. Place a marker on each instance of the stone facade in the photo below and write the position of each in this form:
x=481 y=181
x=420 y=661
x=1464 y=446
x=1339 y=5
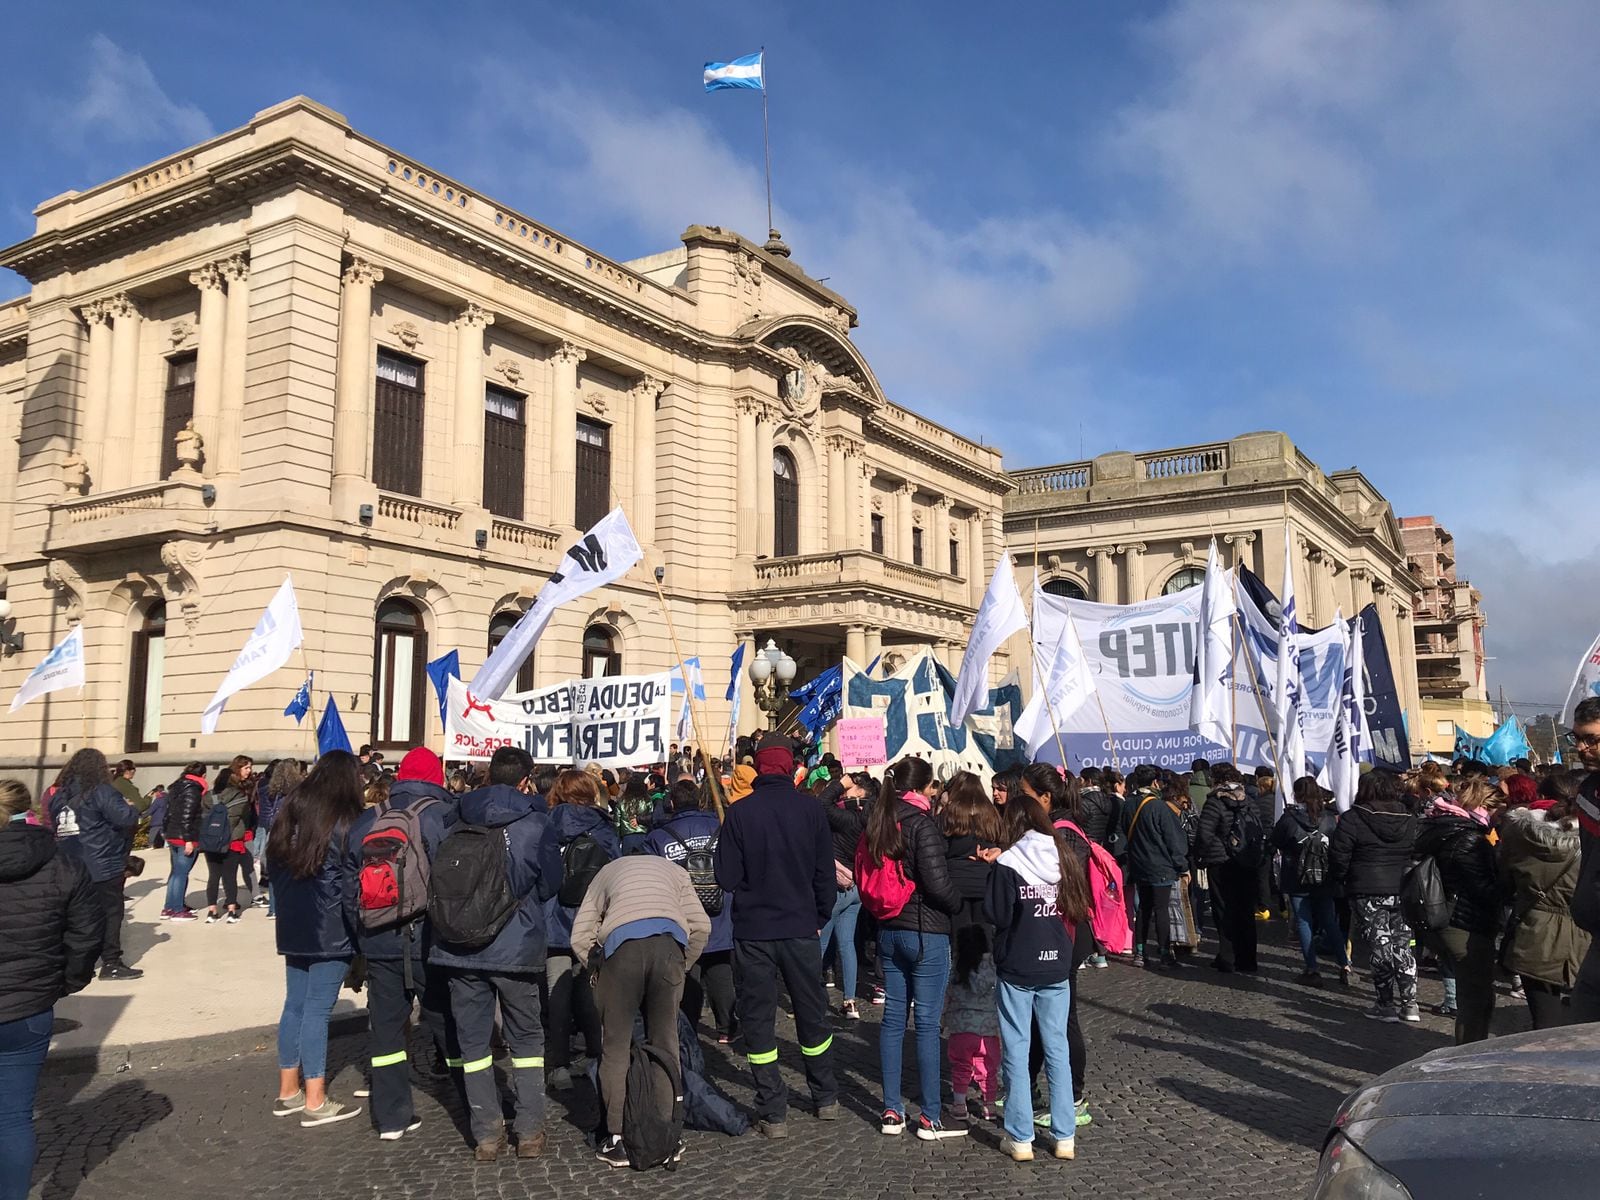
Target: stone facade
x=1449 y=621
x=1127 y=527
x=223 y=355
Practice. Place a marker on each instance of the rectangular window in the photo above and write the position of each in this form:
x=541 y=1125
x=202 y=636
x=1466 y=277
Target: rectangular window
x=916 y=547
x=955 y=557
x=877 y=533
x=504 y=451
x=1443 y=728
x=593 y=497
x=178 y=410
x=397 y=425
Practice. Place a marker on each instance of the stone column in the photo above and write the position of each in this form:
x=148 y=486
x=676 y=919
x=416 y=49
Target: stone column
x=863 y=522
x=1105 y=575
x=977 y=584
x=873 y=647
x=235 y=346
x=467 y=452
x=1361 y=585
x=902 y=521
x=745 y=410
x=643 y=518
x=1133 y=560
x=352 y=406
x=564 y=433
x=838 y=498
x=1241 y=543
x=117 y=467
x=97 y=396
x=208 y=362
x=762 y=472
x=855 y=644
x=939 y=534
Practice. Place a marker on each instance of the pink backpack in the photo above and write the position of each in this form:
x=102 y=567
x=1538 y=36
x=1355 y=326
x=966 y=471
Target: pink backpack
x=885 y=888
x=1108 y=915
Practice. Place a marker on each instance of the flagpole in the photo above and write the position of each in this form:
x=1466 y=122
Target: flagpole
x=1049 y=704
x=688 y=696
x=766 y=137
x=1255 y=684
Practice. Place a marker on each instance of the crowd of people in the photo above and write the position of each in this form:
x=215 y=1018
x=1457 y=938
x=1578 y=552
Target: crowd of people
x=528 y=909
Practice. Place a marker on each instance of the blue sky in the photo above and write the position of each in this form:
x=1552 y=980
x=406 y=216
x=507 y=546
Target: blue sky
x=1069 y=228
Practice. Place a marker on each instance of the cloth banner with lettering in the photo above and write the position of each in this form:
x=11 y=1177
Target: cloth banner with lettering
x=612 y=721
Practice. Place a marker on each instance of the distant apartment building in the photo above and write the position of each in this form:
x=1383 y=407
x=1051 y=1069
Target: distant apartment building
x=1449 y=622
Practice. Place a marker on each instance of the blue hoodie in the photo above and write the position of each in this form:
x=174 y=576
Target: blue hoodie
x=672 y=840
x=567 y=821
x=519 y=947
x=388 y=945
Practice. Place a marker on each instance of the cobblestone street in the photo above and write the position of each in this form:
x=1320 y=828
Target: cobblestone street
x=1202 y=1086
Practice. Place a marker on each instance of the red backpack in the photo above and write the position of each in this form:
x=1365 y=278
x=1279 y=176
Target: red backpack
x=885 y=887
x=1108 y=915
x=394 y=875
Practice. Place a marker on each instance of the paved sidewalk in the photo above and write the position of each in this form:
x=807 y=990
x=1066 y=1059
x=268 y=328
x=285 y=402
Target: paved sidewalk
x=199 y=980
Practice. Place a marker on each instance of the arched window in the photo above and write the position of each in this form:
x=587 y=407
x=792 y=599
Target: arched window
x=785 y=505
x=146 y=672
x=1187 y=578
x=399 y=677
x=499 y=627
x=600 y=653
x=1065 y=587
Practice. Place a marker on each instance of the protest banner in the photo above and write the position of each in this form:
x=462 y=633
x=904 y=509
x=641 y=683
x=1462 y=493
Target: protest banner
x=861 y=742
x=538 y=721
x=613 y=721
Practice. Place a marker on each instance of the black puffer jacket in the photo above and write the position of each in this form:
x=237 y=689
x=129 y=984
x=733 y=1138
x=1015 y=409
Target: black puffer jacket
x=96 y=827
x=1289 y=837
x=847 y=821
x=50 y=922
x=1467 y=868
x=185 y=806
x=1371 y=850
x=1216 y=822
x=969 y=875
x=1102 y=818
x=936 y=900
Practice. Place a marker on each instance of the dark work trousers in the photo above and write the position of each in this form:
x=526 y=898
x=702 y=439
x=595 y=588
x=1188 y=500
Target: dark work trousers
x=388 y=1015
x=1266 y=894
x=1472 y=955
x=1154 y=905
x=223 y=869
x=110 y=893
x=757 y=969
x=570 y=1007
x=1547 y=1004
x=644 y=974
x=711 y=979
x=472 y=1000
x=1233 y=898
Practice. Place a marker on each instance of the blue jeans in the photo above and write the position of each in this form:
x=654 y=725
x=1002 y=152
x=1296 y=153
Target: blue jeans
x=178 y=881
x=1019 y=1006
x=1316 y=920
x=915 y=966
x=312 y=989
x=841 y=928
x=22 y=1049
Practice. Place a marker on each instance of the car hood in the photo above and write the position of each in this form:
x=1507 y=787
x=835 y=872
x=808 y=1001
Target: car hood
x=1554 y=1073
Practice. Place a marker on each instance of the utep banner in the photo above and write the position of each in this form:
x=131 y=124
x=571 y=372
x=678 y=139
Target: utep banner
x=914 y=705
x=613 y=721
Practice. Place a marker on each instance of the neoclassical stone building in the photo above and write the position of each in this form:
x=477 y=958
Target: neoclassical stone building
x=1127 y=527
x=292 y=349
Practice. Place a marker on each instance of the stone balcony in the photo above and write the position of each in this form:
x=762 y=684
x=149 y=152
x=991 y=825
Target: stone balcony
x=147 y=512
x=409 y=517
x=841 y=572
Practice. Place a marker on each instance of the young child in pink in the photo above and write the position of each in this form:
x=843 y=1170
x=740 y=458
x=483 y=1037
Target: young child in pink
x=972 y=1022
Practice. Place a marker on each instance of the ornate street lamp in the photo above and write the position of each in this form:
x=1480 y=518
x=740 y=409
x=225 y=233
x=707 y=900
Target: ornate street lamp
x=772 y=671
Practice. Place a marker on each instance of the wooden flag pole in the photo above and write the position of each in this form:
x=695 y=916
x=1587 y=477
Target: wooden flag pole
x=688 y=698
x=1255 y=685
x=1033 y=647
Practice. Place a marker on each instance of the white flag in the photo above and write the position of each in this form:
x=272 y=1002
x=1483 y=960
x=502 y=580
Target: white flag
x=1585 y=683
x=274 y=639
x=603 y=554
x=1286 y=689
x=61 y=668
x=1211 y=704
x=692 y=684
x=1341 y=770
x=1063 y=679
x=999 y=616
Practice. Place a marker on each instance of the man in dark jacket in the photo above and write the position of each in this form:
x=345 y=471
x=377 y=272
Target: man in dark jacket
x=1231 y=860
x=691 y=830
x=1158 y=857
x=1586 y=899
x=180 y=827
x=397 y=955
x=775 y=855
x=507 y=969
x=95 y=824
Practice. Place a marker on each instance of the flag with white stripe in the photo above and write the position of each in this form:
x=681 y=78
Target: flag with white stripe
x=743 y=72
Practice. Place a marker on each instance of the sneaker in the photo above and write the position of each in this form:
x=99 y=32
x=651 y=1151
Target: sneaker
x=489 y=1150
x=1444 y=1010
x=851 y=1010
x=677 y=1155
x=1310 y=977
x=1263 y=914
x=1410 y=1013
x=120 y=971
x=533 y=1145
x=560 y=1079
x=1169 y=962
x=361 y=1093
x=271 y=916
x=1064 y=1148
x=877 y=995
x=1084 y=1116
x=330 y=1112
x=1137 y=960
x=1344 y=977
x=1518 y=993
x=166 y=914
x=1019 y=1151
x=282 y=1107
x=828 y=1112
x=726 y=1039
x=933 y=1131
x=1098 y=962
x=183 y=914
x=773 y=1131
x=892 y=1123
x=1383 y=1012
x=1041 y=1116
x=394 y=1135
x=233 y=917
x=983 y=1110
x=212 y=918
x=611 y=1152
x=261 y=901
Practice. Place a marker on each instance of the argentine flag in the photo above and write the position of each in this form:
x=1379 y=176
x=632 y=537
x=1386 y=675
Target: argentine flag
x=740 y=73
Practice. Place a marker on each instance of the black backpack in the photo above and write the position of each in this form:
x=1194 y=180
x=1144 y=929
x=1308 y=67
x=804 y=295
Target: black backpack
x=215 y=830
x=1314 y=859
x=1246 y=841
x=581 y=860
x=469 y=896
x=1423 y=901
x=652 y=1109
x=702 y=867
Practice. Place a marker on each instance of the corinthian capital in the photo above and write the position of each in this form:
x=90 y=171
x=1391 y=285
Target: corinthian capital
x=647 y=387
x=207 y=278
x=96 y=312
x=122 y=306
x=361 y=273
x=237 y=269
x=474 y=316
x=569 y=355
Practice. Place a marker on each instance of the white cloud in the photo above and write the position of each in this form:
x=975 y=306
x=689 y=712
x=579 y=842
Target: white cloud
x=122 y=103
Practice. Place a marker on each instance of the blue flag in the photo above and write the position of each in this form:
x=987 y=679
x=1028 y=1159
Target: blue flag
x=734 y=667
x=330 y=730
x=441 y=671
x=744 y=72
x=301 y=704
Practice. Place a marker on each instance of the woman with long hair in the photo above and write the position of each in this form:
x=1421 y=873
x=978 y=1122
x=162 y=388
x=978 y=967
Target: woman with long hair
x=1539 y=852
x=95 y=825
x=1368 y=855
x=232 y=790
x=314 y=866
x=1302 y=836
x=1038 y=896
x=281 y=779
x=971 y=825
x=914 y=943
x=1455 y=834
